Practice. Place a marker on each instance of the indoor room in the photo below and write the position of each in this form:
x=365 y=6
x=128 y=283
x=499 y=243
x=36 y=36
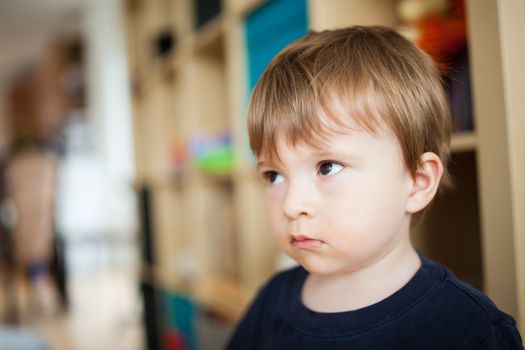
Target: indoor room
x=133 y=211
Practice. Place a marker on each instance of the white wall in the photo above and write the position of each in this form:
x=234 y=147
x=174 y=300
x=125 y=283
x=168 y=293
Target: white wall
x=110 y=108
x=100 y=192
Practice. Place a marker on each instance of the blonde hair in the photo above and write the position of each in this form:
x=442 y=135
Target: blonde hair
x=374 y=73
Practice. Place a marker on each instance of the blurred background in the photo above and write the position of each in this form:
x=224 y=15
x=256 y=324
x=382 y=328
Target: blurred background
x=131 y=214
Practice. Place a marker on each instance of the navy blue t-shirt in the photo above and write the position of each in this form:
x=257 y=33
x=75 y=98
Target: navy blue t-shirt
x=434 y=310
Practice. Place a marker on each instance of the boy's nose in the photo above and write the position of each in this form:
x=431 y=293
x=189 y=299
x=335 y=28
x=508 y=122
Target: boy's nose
x=297 y=201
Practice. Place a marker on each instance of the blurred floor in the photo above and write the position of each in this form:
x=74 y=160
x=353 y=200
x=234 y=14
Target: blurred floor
x=105 y=309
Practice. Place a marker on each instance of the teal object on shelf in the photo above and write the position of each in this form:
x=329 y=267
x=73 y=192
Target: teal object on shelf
x=269 y=29
x=180 y=313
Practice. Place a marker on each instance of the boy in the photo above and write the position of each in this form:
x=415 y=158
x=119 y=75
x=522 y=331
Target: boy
x=351 y=131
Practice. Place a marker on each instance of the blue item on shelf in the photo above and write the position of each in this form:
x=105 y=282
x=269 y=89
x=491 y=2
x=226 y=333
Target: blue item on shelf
x=180 y=313
x=269 y=29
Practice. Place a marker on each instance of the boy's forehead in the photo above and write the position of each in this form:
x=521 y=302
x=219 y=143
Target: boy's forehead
x=335 y=115
x=323 y=138
x=322 y=144
x=346 y=113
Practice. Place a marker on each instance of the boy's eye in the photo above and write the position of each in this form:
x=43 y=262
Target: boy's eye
x=329 y=168
x=273 y=177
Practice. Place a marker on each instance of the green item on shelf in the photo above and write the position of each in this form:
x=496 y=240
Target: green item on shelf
x=219 y=160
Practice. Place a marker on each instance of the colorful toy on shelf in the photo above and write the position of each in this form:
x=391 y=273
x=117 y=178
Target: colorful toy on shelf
x=180 y=312
x=212 y=154
x=172 y=339
x=439 y=28
x=179 y=159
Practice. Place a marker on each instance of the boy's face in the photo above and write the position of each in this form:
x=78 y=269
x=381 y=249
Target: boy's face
x=341 y=207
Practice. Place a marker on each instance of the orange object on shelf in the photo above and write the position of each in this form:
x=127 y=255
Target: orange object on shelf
x=441 y=37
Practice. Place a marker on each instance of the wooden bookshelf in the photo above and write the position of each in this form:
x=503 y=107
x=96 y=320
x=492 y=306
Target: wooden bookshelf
x=463 y=142
x=213 y=228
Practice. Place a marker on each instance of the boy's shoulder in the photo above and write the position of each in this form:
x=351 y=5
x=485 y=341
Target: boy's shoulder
x=462 y=296
x=463 y=312
x=434 y=286
x=434 y=294
x=434 y=310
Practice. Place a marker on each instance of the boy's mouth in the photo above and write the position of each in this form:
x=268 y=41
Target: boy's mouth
x=305 y=242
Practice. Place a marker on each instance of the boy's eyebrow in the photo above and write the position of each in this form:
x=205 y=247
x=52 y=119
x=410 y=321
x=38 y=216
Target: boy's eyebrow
x=260 y=164
x=265 y=162
x=334 y=153
x=323 y=153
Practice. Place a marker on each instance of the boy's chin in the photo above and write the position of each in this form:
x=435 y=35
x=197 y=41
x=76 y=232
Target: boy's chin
x=317 y=267
x=325 y=268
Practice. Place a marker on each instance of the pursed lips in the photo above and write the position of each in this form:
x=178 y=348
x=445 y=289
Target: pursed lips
x=305 y=242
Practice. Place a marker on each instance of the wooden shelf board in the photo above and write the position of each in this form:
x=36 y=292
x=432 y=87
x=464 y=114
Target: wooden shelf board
x=156 y=181
x=154 y=275
x=198 y=177
x=151 y=74
x=243 y=8
x=224 y=296
x=463 y=141
x=209 y=37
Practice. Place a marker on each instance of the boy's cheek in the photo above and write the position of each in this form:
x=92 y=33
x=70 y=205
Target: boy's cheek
x=274 y=205
x=274 y=197
x=279 y=227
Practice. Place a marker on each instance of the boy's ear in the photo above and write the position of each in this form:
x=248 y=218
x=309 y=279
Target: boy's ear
x=425 y=183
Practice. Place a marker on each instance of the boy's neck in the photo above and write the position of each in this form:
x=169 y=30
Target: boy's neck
x=357 y=289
